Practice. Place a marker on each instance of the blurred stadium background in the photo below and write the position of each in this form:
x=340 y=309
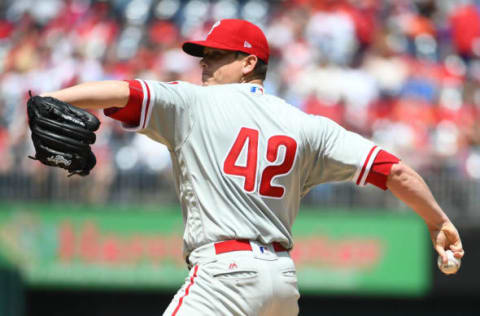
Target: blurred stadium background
x=404 y=73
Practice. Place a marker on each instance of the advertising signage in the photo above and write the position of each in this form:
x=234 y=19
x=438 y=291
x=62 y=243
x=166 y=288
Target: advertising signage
x=380 y=253
x=335 y=252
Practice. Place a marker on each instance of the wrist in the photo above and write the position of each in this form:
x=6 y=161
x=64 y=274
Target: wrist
x=440 y=224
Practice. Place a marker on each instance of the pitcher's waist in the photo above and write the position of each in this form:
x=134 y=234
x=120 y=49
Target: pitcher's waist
x=217 y=248
x=242 y=245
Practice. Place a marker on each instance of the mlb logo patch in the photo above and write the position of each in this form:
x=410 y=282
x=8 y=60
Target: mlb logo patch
x=257 y=90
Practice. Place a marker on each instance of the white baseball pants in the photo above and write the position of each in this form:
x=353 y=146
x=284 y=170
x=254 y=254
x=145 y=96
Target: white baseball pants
x=260 y=281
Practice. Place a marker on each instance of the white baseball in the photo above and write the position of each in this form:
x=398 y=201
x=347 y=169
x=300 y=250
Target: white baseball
x=451 y=266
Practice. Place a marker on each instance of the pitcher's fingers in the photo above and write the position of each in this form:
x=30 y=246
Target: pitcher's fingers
x=459 y=255
x=452 y=234
x=441 y=253
x=458 y=251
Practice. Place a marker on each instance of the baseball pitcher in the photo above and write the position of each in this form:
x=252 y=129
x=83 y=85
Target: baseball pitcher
x=242 y=160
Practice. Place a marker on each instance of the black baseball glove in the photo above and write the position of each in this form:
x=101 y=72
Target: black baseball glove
x=62 y=134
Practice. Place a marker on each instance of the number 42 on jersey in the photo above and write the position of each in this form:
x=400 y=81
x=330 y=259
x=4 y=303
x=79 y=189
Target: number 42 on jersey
x=249 y=170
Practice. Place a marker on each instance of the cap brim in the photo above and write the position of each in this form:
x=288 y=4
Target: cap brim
x=195 y=48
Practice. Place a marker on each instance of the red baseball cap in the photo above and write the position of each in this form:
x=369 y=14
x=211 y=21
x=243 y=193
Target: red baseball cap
x=235 y=35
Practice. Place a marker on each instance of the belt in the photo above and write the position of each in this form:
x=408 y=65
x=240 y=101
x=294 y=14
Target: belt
x=241 y=245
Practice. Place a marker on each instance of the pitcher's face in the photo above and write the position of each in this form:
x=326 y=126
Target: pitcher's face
x=220 y=67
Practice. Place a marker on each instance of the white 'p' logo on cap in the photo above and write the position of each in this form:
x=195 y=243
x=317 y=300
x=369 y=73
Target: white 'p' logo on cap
x=213 y=26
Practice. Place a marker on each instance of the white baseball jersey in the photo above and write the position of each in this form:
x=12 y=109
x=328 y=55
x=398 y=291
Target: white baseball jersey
x=243 y=159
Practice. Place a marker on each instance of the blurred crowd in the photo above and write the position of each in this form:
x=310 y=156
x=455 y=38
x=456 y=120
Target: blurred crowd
x=404 y=73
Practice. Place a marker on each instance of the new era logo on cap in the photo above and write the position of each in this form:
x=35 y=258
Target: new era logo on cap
x=234 y=35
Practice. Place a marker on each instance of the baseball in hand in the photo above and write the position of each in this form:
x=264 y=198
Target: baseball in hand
x=451 y=266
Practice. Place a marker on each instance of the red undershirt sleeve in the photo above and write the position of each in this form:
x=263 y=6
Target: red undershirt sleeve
x=130 y=114
x=380 y=169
